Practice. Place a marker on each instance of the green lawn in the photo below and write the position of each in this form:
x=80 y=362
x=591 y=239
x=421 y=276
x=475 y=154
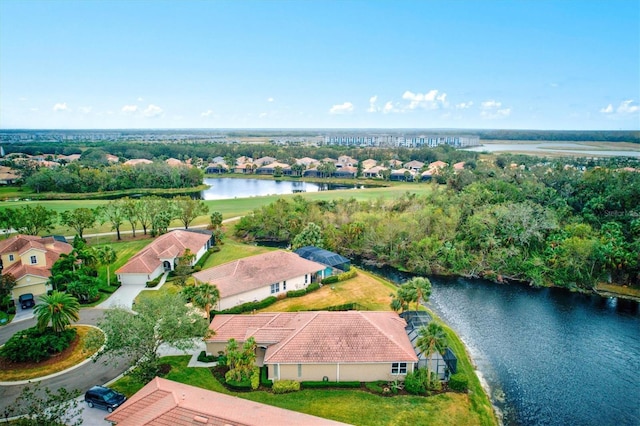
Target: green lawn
x=349 y=406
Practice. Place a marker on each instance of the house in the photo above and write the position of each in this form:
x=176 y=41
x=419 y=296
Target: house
x=136 y=161
x=245 y=168
x=242 y=160
x=8 y=176
x=414 y=165
x=217 y=168
x=346 y=161
x=395 y=163
x=307 y=161
x=162 y=255
x=369 y=163
x=459 y=166
x=112 y=158
x=346 y=172
x=29 y=260
x=174 y=162
x=165 y=402
x=258 y=277
x=333 y=261
x=269 y=169
x=264 y=160
x=374 y=172
x=401 y=175
x=437 y=165
x=313 y=172
x=319 y=345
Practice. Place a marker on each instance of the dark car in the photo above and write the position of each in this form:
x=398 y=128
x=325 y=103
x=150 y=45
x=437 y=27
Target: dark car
x=99 y=396
x=26 y=300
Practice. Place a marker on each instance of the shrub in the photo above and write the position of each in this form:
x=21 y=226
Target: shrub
x=297 y=293
x=330 y=280
x=35 y=346
x=154 y=282
x=312 y=287
x=285 y=386
x=415 y=382
x=255 y=378
x=250 y=306
x=242 y=386
x=347 y=275
x=11 y=310
x=110 y=289
x=322 y=384
x=203 y=357
x=459 y=382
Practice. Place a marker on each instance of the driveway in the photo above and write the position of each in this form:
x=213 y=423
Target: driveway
x=126 y=295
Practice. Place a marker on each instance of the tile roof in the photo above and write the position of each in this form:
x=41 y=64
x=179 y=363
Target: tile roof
x=136 y=161
x=165 y=402
x=20 y=244
x=321 y=337
x=167 y=246
x=250 y=273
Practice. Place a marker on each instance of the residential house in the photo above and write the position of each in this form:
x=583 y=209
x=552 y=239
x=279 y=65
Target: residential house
x=329 y=346
x=243 y=160
x=136 y=161
x=312 y=172
x=402 y=175
x=374 y=172
x=162 y=255
x=459 y=166
x=165 y=402
x=414 y=165
x=258 y=277
x=174 y=162
x=346 y=172
x=112 y=158
x=29 y=260
x=346 y=161
x=8 y=176
x=369 y=163
x=245 y=168
x=436 y=165
x=217 y=168
x=395 y=163
x=307 y=161
x=269 y=169
x=264 y=160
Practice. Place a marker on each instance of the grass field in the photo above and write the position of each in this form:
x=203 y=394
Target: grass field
x=350 y=406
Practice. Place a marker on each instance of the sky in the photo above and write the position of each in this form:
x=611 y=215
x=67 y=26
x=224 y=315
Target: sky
x=500 y=64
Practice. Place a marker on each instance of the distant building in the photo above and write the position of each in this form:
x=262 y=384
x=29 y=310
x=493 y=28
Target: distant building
x=405 y=141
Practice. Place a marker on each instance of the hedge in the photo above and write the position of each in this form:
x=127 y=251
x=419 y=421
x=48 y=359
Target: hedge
x=459 y=382
x=330 y=280
x=340 y=277
x=323 y=384
x=299 y=293
x=264 y=381
x=108 y=290
x=249 y=306
x=285 y=386
x=203 y=357
x=154 y=282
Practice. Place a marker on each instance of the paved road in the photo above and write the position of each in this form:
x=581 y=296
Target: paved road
x=81 y=378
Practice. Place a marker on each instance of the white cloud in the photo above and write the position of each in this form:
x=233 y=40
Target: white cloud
x=270 y=100
x=85 y=110
x=608 y=109
x=389 y=107
x=129 y=108
x=492 y=109
x=61 y=107
x=344 y=108
x=464 y=105
x=152 y=111
x=207 y=113
x=262 y=115
x=626 y=107
x=430 y=100
x=372 y=104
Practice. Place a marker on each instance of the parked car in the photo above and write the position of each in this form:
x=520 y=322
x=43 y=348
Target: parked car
x=100 y=396
x=26 y=300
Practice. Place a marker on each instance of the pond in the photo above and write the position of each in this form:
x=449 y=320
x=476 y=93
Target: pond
x=549 y=356
x=226 y=188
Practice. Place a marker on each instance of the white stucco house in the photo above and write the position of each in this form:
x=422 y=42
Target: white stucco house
x=258 y=277
x=162 y=255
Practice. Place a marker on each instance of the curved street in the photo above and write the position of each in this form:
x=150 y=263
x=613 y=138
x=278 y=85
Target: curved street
x=81 y=378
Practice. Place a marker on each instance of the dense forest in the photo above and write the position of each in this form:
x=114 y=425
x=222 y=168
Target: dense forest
x=547 y=225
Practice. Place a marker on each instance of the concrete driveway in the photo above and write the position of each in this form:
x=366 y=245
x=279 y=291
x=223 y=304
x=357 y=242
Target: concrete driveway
x=126 y=294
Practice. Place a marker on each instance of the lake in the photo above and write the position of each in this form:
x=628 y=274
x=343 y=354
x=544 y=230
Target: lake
x=560 y=147
x=549 y=356
x=226 y=188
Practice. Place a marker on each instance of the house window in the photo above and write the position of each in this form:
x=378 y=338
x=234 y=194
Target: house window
x=275 y=288
x=306 y=278
x=284 y=286
x=299 y=370
x=398 y=368
x=34 y=260
x=11 y=258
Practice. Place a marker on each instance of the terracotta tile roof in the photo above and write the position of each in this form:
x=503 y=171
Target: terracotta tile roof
x=437 y=164
x=249 y=273
x=136 y=161
x=167 y=246
x=20 y=244
x=459 y=166
x=321 y=337
x=164 y=402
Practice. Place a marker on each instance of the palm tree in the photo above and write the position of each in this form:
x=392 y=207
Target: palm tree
x=106 y=256
x=205 y=296
x=59 y=309
x=421 y=288
x=431 y=338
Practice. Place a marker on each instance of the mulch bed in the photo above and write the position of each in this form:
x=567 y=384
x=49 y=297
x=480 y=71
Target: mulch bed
x=5 y=364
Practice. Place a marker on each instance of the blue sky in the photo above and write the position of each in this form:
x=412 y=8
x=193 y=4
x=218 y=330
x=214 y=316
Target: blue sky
x=310 y=64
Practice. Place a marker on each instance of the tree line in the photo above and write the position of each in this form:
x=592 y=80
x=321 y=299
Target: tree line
x=151 y=214
x=546 y=224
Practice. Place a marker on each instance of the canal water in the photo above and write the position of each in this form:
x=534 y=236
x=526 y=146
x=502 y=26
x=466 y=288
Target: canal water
x=549 y=356
x=226 y=188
